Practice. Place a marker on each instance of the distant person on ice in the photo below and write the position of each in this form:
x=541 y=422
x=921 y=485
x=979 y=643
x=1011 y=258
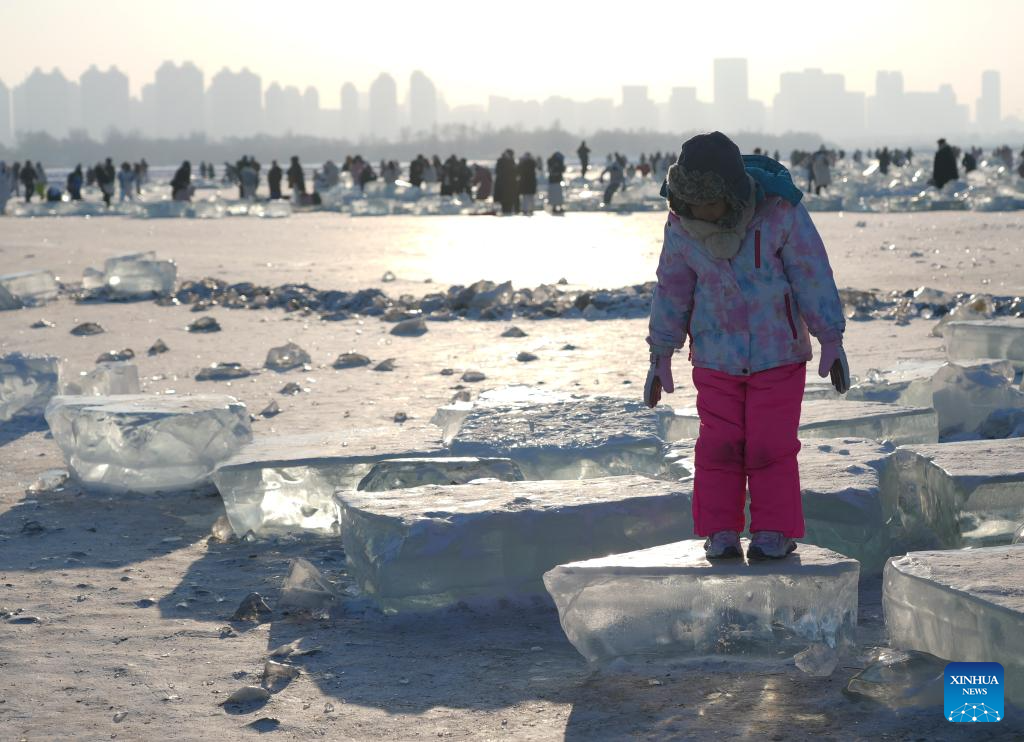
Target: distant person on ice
x=274 y=176
x=126 y=180
x=944 y=168
x=527 y=183
x=297 y=181
x=584 y=154
x=744 y=274
x=556 y=170
x=7 y=181
x=181 y=183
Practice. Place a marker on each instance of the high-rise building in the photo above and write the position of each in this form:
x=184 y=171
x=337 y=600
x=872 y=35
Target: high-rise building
x=560 y=112
x=350 y=123
x=422 y=103
x=234 y=104
x=309 y=112
x=45 y=102
x=383 y=108
x=6 y=135
x=813 y=101
x=143 y=111
x=988 y=110
x=731 y=95
x=180 y=100
x=275 y=116
x=106 y=102
x=638 y=111
x=685 y=112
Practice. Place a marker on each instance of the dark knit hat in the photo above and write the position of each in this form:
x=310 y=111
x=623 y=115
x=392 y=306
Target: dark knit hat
x=709 y=168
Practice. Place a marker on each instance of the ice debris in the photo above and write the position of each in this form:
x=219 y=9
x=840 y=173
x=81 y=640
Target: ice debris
x=407 y=549
x=104 y=380
x=157 y=348
x=899 y=679
x=113 y=356
x=351 y=360
x=403 y=473
x=962 y=606
x=670 y=600
x=87 y=328
x=388 y=364
x=205 y=324
x=286 y=357
x=27 y=382
x=252 y=609
x=413 y=327
x=29 y=288
x=1001 y=338
x=223 y=371
x=140 y=443
x=305 y=589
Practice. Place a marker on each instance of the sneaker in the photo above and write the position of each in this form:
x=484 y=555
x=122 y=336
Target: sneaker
x=723 y=545
x=769 y=545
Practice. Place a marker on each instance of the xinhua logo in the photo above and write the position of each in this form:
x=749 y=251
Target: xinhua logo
x=974 y=691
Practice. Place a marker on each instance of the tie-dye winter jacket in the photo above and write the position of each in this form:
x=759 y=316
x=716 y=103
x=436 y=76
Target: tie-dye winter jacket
x=751 y=312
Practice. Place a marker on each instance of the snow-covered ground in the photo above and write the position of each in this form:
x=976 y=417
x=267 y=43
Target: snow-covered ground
x=134 y=602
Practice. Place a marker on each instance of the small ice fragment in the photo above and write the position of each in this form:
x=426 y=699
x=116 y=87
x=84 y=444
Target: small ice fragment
x=388 y=364
x=286 y=357
x=513 y=332
x=271 y=410
x=114 y=356
x=388 y=277
x=87 y=328
x=222 y=530
x=249 y=697
x=525 y=357
x=290 y=389
x=51 y=480
x=223 y=371
x=351 y=360
x=818 y=660
x=401 y=417
x=252 y=609
x=205 y=324
x=305 y=589
x=471 y=377
x=31 y=288
x=900 y=678
x=157 y=348
x=410 y=328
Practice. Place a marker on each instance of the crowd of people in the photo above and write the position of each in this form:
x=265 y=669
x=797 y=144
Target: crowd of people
x=512 y=184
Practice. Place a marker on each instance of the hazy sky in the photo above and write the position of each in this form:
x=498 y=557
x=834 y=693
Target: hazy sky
x=533 y=49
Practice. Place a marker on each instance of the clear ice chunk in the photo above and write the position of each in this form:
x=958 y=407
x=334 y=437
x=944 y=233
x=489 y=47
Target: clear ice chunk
x=396 y=474
x=31 y=288
x=671 y=601
x=964 y=397
x=27 y=383
x=451 y=416
x=901 y=679
x=286 y=357
x=8 y=300
x=1001 y=338
x=962 y=606
x=287 y=483
x=106 y=379
x=143 y=443
x=822 y=418
x=143 y=276
x=818 y=660
x=574 y=439
x=434 y=546
x=948 y=495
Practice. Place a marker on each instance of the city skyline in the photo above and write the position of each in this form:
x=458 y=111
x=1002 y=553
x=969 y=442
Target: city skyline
x=180 y=101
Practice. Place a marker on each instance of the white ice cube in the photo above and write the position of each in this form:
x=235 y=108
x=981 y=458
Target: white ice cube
x=27 y=383
x=433 y=546
x=141 y=443
x=671 y=601
x=962 y=606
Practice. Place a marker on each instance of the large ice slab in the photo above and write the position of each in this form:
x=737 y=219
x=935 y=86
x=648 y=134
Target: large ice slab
x=115 y=377
x=968 y=493
x=428 y=547
x=142 y=274
x=671 y=601
x=451 y=416
x=396 y=474
x=144 y=443
x=962 y=606
x=572 y=439
x=842 y=500
x=32 y=288
x=287 y=483
x=27 y=382
x=822 y=418
x=1002 y=338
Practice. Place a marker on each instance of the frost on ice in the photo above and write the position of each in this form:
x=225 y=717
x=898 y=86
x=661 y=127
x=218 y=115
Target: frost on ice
x=27 y=383
x=969 y=493
x=396 y=474
x=433 y=546
x=824 y=418
x=670 y=600
x=141 y=443
x=962 y=606
x=1001 y=338
x=572 y=439
x=287 y=483
x=31 y=288
x=106 y=379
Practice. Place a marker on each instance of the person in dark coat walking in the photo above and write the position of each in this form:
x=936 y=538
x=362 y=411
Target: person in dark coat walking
x=105 y=177
x=274 y=180
x=296 y=180
x=181 y=183
x=28 y=180
x=506 y=189
x=74 y=183
x=944 y=168
x=527 y=183
x=584 y=154
x=884 y=159
x=556 y=169
x=969 y=162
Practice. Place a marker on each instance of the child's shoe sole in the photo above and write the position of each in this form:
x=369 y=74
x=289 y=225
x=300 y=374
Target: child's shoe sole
x=755 y=553
x=731 y=553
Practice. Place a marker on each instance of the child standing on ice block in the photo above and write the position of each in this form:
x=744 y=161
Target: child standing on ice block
x=744 y=274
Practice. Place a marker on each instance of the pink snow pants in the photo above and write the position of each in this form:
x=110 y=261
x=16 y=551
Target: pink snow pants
x=748 y=431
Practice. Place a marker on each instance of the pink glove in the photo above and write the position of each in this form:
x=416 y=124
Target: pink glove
x=833 y=362
x=659 y=377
